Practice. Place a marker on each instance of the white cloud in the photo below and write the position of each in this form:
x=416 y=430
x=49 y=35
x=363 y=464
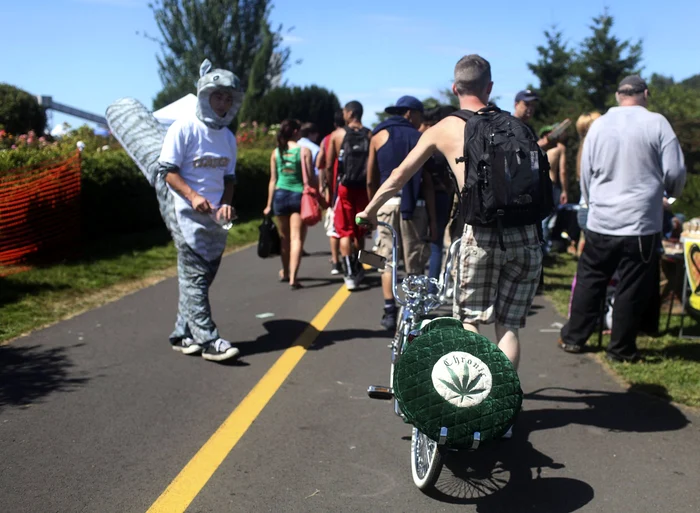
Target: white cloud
x=290 y=39
x=387 y=18
x=412 y=91
x=357 y=96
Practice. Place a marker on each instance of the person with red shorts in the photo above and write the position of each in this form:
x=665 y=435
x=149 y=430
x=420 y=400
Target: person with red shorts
x=329 y=190
x=350 y=145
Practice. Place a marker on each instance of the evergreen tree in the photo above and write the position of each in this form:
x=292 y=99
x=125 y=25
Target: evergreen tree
x=258 y=82
x=555 y=69
x=604 y=60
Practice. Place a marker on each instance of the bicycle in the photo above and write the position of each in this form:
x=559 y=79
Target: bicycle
x=426 y=454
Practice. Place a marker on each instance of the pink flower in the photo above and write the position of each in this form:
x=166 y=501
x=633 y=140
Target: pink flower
x=14 y=146
x=42 y=139
x=23 y=137
x=243 y=125
x=2 y=134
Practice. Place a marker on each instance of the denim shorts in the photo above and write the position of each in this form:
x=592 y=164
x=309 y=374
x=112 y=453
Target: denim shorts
x=286 y=203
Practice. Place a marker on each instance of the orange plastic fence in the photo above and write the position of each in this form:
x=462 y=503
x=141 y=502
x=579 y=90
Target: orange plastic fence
x=39 y=210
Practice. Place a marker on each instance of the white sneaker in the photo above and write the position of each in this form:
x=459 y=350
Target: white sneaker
x=220 y=350
x=186 y=346
x=350 y=282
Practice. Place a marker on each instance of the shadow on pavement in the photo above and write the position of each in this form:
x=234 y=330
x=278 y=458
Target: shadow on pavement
x=13 y=289
x=28 y=374
x=499 y=477
x=284 y=333
x=628 y=411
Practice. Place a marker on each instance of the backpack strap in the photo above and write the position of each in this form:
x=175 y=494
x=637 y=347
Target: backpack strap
x=464 y=115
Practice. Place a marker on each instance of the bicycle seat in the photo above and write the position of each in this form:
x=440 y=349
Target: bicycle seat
x=450 y=377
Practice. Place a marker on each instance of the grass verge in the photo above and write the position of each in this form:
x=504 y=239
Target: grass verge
x=106 y=271
x=671 y=366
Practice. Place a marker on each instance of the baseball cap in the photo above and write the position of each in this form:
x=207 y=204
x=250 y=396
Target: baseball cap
x=526 y=95
x=633 y=84
x=405 y=103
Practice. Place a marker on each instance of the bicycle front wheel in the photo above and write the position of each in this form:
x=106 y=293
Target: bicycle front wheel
x=426 y=461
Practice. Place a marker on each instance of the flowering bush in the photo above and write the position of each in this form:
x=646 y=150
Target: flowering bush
x=10 y=142
x=256 y=135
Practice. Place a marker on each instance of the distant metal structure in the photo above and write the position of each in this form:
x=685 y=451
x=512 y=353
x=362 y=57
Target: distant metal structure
x=48 y=103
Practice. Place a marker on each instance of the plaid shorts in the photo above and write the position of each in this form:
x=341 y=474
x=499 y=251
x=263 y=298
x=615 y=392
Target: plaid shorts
x=494 y=284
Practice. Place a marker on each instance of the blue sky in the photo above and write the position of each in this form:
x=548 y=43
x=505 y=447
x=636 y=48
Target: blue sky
x=86 y=53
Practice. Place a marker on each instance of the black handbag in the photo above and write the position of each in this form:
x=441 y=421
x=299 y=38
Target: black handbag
x=269 y=243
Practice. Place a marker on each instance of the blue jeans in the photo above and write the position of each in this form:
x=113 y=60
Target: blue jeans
x=442 y=214
x=556 y=193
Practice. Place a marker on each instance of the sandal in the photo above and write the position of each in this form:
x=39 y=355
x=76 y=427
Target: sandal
x=282 y=277
x=295 y=286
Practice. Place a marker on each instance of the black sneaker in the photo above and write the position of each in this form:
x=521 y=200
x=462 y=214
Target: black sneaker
x=220 y=350
x=186 y=346
x=389 y=320
x=336 y=269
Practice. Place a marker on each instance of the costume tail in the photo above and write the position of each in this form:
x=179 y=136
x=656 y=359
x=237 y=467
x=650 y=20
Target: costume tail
x=141 y=136
x=139 y=132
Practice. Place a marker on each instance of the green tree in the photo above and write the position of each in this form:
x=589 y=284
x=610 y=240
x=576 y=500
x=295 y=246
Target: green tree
x=555 y=70
x=20 y=112
x=680 y=104
x=692 y=82
x=604 y=60
x=258 y=81
x=227 y=32
x=449 y=98
x=308 y=104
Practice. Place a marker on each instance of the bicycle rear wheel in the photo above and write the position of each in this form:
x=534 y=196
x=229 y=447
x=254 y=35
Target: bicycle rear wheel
x=426 y=460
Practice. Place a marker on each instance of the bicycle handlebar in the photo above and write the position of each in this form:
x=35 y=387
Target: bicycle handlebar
x=394 y=262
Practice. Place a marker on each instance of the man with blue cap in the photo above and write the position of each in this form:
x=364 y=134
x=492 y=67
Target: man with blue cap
x=392 y=140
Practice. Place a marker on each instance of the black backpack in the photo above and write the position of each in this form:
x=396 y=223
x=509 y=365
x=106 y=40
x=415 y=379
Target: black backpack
x=354 y=152
x=506 y=180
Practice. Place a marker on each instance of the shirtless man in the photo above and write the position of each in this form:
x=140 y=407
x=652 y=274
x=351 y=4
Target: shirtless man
x=557 y=173
x=557 y=170
x=496 y=285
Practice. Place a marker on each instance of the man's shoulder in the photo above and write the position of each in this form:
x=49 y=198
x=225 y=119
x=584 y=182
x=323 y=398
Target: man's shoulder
x=448 y=127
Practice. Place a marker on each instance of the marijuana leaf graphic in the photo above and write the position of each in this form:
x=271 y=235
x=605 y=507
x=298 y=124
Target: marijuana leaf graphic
x=463 y=387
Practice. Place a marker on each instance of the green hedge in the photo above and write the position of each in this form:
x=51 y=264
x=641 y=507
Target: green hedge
x=116 y=198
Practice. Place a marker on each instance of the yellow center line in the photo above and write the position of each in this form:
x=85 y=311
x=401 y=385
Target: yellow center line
x=190 y=481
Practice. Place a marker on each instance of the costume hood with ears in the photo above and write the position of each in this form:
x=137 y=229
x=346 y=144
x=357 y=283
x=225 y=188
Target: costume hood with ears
x=209 y=81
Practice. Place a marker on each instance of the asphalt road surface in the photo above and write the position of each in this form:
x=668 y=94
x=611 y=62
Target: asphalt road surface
x=98 y=414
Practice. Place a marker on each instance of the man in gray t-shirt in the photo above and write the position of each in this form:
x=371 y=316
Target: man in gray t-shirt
x=630 y=157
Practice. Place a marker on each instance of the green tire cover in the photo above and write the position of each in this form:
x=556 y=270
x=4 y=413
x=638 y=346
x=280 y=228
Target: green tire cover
x=450 y=377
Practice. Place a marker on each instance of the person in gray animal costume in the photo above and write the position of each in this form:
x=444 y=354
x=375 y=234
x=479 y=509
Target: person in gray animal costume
x=198 y=162
x=192 y=168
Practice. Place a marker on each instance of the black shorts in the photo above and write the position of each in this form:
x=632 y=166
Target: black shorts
x=286 y=203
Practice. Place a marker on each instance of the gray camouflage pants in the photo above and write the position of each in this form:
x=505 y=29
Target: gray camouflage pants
x=195 y=275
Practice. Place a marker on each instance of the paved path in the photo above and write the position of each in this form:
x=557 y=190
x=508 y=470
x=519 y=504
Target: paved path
x=97 y=414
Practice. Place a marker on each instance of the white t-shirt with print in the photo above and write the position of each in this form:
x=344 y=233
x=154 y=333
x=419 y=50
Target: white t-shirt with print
x=205 y=156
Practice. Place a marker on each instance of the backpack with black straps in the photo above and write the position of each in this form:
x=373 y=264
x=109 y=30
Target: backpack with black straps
x=506 y=177
x=354 y=153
